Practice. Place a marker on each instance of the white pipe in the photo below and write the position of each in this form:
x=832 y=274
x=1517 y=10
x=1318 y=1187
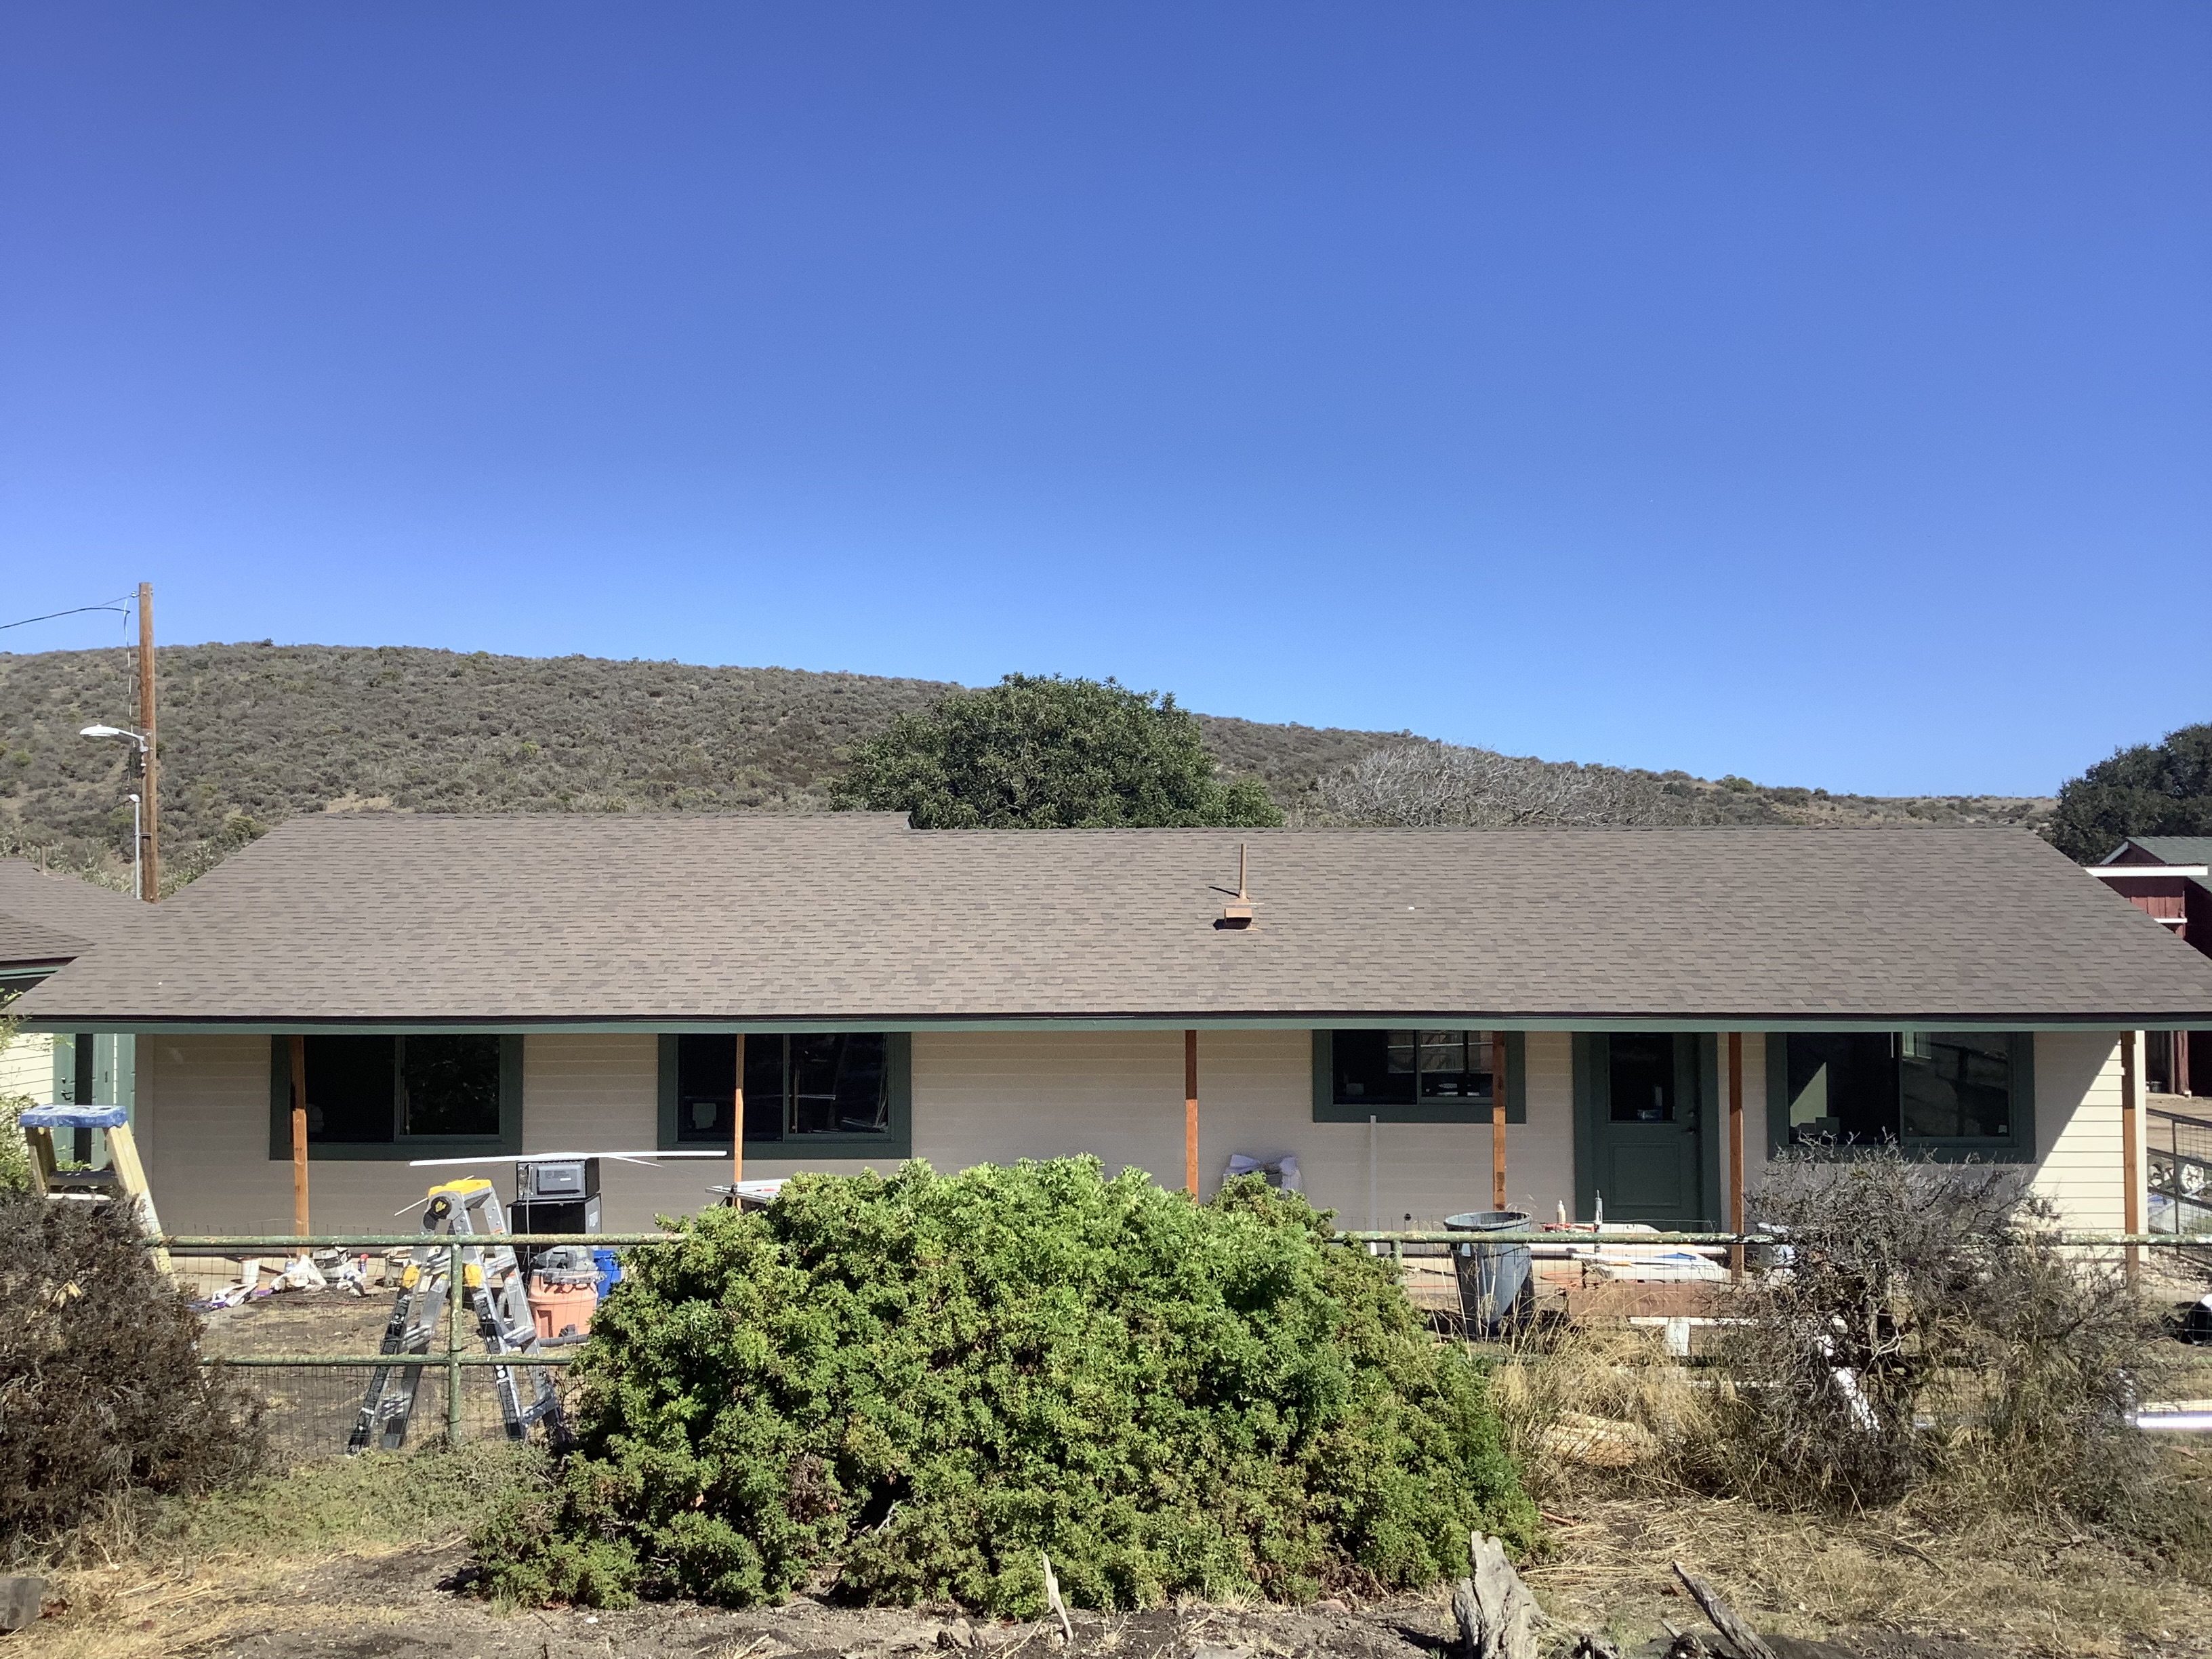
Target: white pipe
x=2173 y=1422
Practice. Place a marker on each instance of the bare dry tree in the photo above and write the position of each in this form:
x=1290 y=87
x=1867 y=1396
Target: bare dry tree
x=1920 y=1333
x=1419 y=782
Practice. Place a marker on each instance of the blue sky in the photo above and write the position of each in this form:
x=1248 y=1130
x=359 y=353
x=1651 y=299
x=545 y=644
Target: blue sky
x=1821 y=393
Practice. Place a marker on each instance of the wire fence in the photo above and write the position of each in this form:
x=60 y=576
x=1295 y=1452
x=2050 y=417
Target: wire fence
x=2180 y=1157
x=312 y=1382
x=309 y=1405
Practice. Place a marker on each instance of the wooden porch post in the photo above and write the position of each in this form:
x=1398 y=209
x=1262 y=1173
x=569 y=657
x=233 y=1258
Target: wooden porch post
x=738 y=1126
x=2131 y=1201
x=299 y=1137
x=1190 y=1113
x=1736 y=1147
x=1498 y=1084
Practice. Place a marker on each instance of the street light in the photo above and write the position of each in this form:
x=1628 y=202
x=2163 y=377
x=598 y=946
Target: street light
x=138 y=807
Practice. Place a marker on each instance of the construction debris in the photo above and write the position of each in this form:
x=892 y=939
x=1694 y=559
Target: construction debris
x=1607 y=1442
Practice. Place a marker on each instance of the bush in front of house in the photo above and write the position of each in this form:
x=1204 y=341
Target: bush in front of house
x=1922 y=1339
x=101 y=1391
x=908 y=1387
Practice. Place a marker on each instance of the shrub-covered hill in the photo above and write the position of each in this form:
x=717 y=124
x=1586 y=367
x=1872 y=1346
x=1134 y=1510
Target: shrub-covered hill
x=253 y=734
x=263 y=732
x=918 y=1384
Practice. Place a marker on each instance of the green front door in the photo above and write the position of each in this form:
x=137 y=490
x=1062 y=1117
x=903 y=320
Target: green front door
x=1641 y=1115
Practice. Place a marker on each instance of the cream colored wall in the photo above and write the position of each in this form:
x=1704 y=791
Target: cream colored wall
x=986 y=1096
x=982 y=1097
x=2078 y=1146
x=26 y=1066
x=978 y=1096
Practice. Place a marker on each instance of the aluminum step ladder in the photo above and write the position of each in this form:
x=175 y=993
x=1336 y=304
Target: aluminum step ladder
x=124 y=1177
x=493 y=1294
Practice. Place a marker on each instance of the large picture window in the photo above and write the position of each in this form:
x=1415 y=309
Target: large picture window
x=1413 y=1076
x=1967 y=1091
x=400 y=1097
x=828 y=1092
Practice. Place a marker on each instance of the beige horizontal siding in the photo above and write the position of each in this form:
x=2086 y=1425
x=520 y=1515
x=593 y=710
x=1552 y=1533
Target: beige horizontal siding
x=2079 y=1165
x=27 y=1066
x=995 y=1096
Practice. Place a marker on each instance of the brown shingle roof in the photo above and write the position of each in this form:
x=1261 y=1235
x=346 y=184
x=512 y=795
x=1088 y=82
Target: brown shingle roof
x=47 y=918
x=491 y=921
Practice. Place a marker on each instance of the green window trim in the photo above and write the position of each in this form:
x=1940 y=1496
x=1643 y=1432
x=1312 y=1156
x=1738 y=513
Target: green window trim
x=898 y=1144
x=1326 y=1108
x=2017 y=1148
x=398 y=1150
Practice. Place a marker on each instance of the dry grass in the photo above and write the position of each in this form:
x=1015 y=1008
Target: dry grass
x=1931 y=1564
x=149 y=1579
x=2002 y=1584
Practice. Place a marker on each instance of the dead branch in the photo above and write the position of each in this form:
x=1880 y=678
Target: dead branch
x=1740 y=1636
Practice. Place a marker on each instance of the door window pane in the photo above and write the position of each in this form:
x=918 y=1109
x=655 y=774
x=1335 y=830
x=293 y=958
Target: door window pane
x=1641 y=1068
x=1956 y=1085
x=449 y=1085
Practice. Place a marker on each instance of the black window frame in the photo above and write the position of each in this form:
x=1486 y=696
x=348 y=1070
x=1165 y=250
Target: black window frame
x=895 y=1142
x=2018 y=1147
x=400 y=1148
x=1328 y=1108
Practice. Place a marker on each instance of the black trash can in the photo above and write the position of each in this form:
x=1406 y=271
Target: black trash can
x=1494 y=1285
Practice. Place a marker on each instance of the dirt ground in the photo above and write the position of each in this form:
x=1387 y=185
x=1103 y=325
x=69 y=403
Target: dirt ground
x=399 y=1588
x=1818 y=1593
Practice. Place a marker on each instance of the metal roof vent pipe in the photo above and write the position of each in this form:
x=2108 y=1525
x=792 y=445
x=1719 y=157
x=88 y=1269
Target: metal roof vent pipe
x=1237 y=913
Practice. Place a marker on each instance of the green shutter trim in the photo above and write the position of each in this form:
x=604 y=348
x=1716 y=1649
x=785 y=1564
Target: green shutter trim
x=665 y=1086
x=1327 y=1108
x=1777 y=1095
x=1713 y=1126
x=1589 y=1066
x=508 y=1141
x=898 y=1144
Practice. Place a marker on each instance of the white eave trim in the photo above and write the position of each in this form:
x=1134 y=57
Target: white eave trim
x=2120 y=872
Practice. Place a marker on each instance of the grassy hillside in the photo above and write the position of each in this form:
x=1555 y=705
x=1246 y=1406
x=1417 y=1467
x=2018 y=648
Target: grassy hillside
x=253 y=734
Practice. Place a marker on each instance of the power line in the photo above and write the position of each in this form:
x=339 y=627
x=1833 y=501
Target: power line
x=119 y=606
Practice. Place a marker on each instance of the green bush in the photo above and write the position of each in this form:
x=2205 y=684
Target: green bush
x=1042 y=752
x=911 y=1386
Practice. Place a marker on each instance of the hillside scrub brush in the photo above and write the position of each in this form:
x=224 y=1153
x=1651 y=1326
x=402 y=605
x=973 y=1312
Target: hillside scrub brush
x=903 y=1389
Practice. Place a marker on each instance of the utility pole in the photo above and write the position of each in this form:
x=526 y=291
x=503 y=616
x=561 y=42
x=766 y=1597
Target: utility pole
x=149 y=835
